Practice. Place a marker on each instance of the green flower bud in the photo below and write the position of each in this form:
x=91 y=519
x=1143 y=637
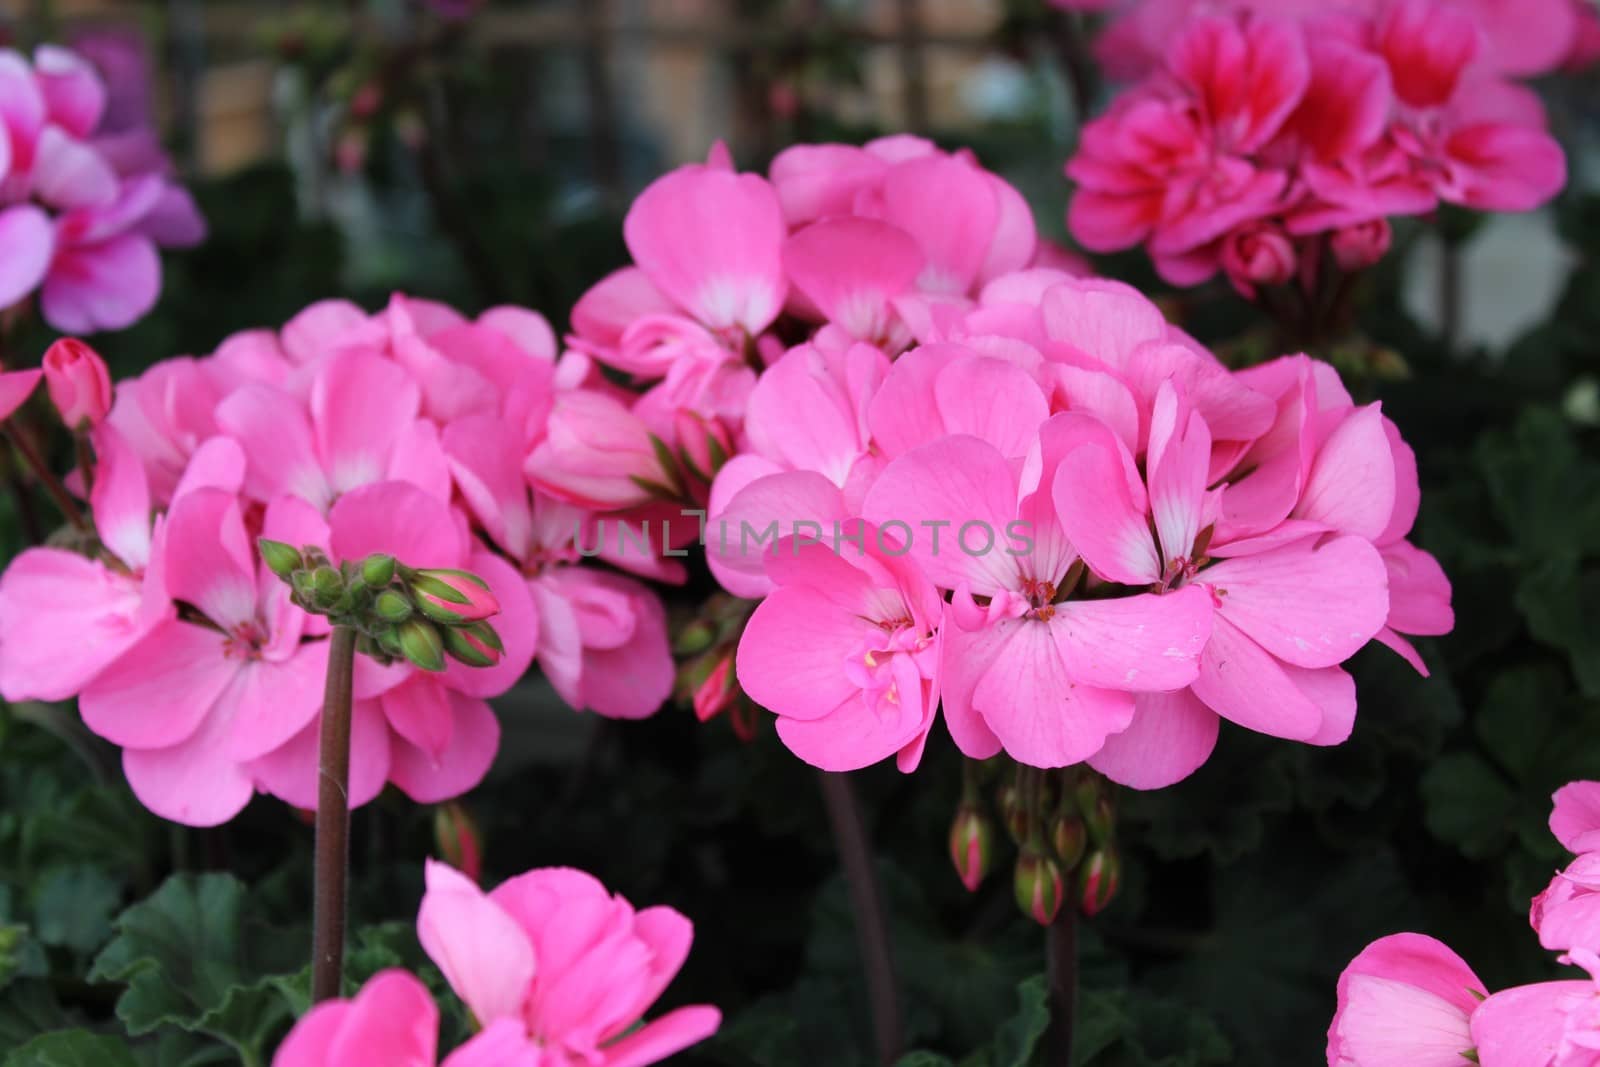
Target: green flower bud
x=391 y=605
x=452 y=596
x=1038 y=886
x=326 y=586
x=281 y=559
x=1099 y=880
x=971 y=846
x=467 y=644
x=421 y=644
x=377 y=570
x=1069 y=838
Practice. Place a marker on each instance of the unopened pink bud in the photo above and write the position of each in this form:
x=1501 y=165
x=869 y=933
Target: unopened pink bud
x=971 y=846
x=704 y=444
x=1360 y=246
x=1038 y=886
x=453 y=596
x=79 y=384
x=1099 y=880
x=458 y=839
x=714 y=694
x=1258 y=254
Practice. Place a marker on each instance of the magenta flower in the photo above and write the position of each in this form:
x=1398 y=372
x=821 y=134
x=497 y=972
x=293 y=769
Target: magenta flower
x=536 y=953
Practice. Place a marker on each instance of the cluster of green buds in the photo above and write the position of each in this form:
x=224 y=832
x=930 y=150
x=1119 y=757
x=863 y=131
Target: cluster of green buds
x=398 y=612
x=705 y=649
x=1063 y=823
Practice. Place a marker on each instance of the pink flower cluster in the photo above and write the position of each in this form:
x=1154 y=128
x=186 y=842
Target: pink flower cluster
x=1522 y=38
x=998 y=487
x=403 y=432
x=1408 y=999
x=555 y=969
x=1267 y=141
x=83 y=205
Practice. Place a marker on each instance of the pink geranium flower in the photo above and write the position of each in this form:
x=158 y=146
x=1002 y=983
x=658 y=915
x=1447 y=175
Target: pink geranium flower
x=555 y=955
x=1406 y=1001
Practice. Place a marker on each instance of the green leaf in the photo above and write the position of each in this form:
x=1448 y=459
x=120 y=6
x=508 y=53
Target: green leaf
x=74 y=907
x=1563 y=610
x=1518 y=711
x=1018 y=1037
x=1467 y=804
x=73 y=1048
x=190 y=959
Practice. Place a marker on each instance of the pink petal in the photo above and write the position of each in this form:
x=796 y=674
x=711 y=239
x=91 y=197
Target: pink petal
x=710 y=240
x=161 y=690
x=485 y=956
x=63 y=619
x=1351 y=487
x=668 y=933
x=1241 y=682
x=392 y=1021
x=209 y=560
x=68 y=173
x=1171 y=735
x=1523 y=1026
x=272 y=702
x=290 y=772
x=15 y=388
x=517 y=623
x=503 y=1043
x=74 y=95
x=761 y=512
x=1103 y=319
x=1028 y=697
x=791 y=659
x=663 y=1037
x=1180 y=457
x=816 y=181
x=993 y=400
x=319 y=329
x=29 y=241
x=855 y=735
x=360 y=405
x=1333 y=691
x=850 y=269
x=1576 y=812
x=633 y=679
x=399 y=519
x=963 y=659
x=904 y=413
x=310 y=1042
x=1419 y=592
x=1016 y=237
x=616 y=302
x=1309 y=603
x=527 y=328
x=194 y=782
x=102 y=287
x=1105 y=524
x=275 y=432
x=121 y=498
x=1137 y=643
x=474 y=737
x=951 y=209
x=940 y=488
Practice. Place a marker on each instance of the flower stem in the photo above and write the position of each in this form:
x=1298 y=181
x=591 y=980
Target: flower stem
x=41 y=470
x=1061 y=955
x=333 y=820
x=872 y=920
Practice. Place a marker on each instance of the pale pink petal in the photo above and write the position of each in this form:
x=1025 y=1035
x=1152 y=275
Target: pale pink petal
x=991 y=399
x=105 y=286
x=503 y=1043
x=360 y=405
x=1407 y=492
x=1180 y=457
x=161 y=689
x=951 y=208
x=1351 y=487
x=1419 y=591
x=68 y=173
x=1576 y=812
x=1310 y=603
x=1522 y=1026
x=272 y=702
x=275 y=432
x=209 y=559
x=485 y=956
x=1333 y=691
x=29 y=241
x=903 y=414
x=474 y=737
x=1103 y=319
x=1042 y=715
x=1016 y=237
x=616 y=302
x=850 y=269
x=120 y=499
x=634 y=679
x=663 y=1037
x=1138 y=643
x=792 y=656
x=710 y=240
x=63 y=618
x=310 y=1042
x=194 y=782
x=1109 y=529
x=1171 y=735
x=74 y=95
x=816 y=181
x=755 y=517
x=527 y=328
x=319 y=329
x=963 y=659
x=399 y=519
x=1241 y=682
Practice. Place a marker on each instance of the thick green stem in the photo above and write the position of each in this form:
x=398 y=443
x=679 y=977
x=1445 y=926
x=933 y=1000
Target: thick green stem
x=333 y=820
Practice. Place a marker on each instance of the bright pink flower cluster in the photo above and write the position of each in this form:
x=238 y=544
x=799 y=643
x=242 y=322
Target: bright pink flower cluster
x=998 y=487
x=404 y=433
x=83 y=205
x=1264 y=140
x=1408 y=999
x=1522 y=38
x=555 y=969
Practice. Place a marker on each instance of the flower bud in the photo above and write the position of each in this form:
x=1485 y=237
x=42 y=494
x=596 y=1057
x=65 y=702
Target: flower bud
x=1360 y=246
x=458 y=839
x=452 y=596
x=1013 y=813
x=281 y=559
x=971 y=845
x=421 y=644
x=717 y=691
x=327 y=585
x=377 y=570
x=1038 y=885
x=476 y=645
x=704 y=445
x=1257 y=254
x=694 y=638
x=1069 y=838
x=79 y=383
x=1098 y=880
x=391 y=605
